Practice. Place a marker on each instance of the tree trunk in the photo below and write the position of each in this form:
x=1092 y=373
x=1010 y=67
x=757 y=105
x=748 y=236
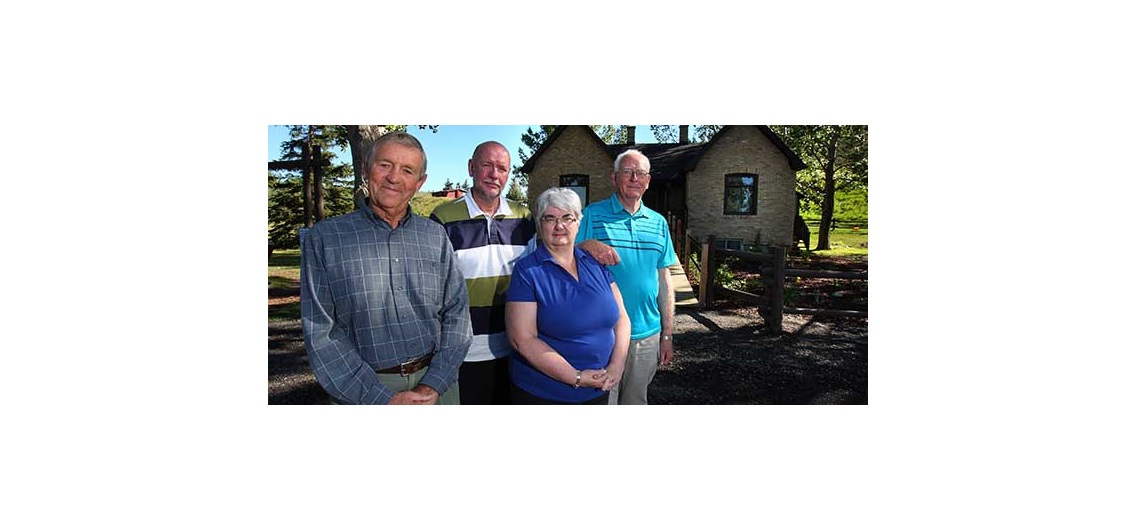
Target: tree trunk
x=361 y=137
x=307 y=183
x=317 y=181
x=828 y=201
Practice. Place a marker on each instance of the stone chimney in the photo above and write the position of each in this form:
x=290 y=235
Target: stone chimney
x=631 y=134
x=683 y=134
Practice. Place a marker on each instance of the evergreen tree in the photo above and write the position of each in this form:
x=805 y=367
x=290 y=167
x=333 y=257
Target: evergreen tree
x=298 y=198
x=532 y=141
x=517 y=194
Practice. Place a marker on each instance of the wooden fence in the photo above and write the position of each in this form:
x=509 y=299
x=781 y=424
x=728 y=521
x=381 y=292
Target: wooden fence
x=773 y=275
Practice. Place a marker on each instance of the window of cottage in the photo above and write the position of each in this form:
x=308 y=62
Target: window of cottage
x=740 y=197
x=578 y=184
x=728 y=243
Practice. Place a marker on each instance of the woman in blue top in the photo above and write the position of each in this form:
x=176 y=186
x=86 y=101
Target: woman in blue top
x=564 y=315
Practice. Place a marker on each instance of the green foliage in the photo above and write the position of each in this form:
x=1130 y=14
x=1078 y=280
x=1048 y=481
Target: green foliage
x=724 y=273
x=515 y=193
x=532 y=141
x=839 y=152
x=286 y=188
x=611 y=134
x=698 y=133
x=665 y=134
x=725 y=276
x=850 y=206
x=837 y=159
x=286 y=208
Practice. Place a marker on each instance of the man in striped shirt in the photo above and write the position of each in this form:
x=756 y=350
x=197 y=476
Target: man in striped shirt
x=489 y=234
x=635 y=242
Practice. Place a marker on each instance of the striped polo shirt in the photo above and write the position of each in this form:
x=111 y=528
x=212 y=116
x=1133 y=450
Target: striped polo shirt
x=486 y=247
x=643 y=241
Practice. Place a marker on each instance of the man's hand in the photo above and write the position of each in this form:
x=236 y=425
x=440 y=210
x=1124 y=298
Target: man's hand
x=601 y=252
x=666 y=351
x=419 y=395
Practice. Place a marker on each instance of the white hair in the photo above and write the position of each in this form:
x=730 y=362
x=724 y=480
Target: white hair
x=630 y=152
x=563 y=198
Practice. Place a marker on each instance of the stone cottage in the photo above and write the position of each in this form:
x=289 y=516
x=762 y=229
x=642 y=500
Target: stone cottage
x=739 y=186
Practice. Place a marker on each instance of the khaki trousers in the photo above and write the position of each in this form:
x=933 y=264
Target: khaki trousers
x=638 y=371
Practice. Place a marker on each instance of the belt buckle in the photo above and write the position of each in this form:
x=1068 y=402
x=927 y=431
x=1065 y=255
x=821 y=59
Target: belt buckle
x=403 y=366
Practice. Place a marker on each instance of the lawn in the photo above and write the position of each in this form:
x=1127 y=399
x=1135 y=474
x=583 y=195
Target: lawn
x=851 y=241
x=283 y=285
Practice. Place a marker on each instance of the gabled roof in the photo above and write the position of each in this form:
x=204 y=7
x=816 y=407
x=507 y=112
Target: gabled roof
x=669 y=161
x=531 y=163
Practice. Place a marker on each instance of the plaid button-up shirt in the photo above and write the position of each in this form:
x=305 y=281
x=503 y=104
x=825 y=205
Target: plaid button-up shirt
x=372 y=297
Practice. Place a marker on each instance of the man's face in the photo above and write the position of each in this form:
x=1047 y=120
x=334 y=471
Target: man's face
x=489 y=169
x=631 y=179
x=394 y=176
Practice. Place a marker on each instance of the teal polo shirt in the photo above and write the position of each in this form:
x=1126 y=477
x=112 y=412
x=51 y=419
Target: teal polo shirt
x=643 y=242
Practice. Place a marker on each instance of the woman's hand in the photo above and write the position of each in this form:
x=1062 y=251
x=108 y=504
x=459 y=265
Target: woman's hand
x=594 y=379
x=614 y=375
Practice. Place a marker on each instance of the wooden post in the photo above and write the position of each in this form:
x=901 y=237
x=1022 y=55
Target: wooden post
x=706 y=275
x=680 y=240
x=776 y=290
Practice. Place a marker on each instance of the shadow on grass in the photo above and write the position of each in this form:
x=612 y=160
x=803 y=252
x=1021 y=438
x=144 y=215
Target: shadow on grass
x=285 y=258
x=284 y=312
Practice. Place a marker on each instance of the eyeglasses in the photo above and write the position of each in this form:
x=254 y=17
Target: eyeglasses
x=553 y=220
x=638 y=173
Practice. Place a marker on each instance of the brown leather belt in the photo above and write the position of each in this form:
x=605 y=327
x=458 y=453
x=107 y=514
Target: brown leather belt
x=409 y=367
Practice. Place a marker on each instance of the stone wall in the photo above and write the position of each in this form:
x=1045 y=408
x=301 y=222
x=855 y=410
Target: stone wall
x=575 y=152
x=743 y=149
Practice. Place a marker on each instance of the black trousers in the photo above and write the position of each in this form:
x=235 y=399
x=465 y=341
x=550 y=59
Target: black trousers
x=484 y=382
x=520 y=397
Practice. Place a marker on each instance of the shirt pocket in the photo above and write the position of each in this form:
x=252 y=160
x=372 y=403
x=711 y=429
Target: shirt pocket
x=425 y=279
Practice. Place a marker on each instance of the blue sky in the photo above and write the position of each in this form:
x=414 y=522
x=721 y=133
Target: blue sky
x=448 y=150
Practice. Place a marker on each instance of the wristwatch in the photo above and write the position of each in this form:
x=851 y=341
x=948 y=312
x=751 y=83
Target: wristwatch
x=665 y=337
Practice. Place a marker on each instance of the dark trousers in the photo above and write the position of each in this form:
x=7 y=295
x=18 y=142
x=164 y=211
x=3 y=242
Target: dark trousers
x=520 y=397
x=484 y=382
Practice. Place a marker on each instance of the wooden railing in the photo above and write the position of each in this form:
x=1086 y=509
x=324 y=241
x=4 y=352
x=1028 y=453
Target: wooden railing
x=773 y=275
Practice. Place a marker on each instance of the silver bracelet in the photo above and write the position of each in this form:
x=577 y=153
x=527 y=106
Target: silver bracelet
x=577 y=385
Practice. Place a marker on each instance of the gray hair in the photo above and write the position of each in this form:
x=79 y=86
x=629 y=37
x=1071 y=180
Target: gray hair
x=563 y=198
x=401 y=138
x=615 y=167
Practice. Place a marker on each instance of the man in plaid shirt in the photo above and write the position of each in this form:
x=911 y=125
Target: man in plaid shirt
x=384 y=307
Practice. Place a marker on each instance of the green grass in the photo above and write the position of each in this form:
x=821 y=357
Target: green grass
x=284 y=272
x=843 y=241
x=284 y=312
x=284 y=259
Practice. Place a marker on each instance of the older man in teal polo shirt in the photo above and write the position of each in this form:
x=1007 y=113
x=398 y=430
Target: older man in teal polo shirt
x=635 y=242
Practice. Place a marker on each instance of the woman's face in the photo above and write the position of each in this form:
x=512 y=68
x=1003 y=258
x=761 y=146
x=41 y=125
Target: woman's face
x=558 y=227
